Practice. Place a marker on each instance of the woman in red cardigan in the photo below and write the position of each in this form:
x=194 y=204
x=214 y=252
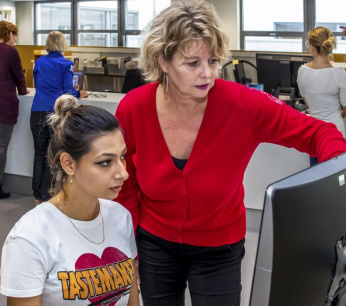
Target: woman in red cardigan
x=190 y=137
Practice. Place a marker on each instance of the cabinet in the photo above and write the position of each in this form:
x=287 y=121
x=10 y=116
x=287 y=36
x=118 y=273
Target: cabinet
x=7 y=11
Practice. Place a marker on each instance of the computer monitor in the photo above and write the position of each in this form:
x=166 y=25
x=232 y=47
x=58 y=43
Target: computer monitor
x=279 y=71
x=133 y=79
x=256 y=86
x=78 y=78
x=239 y=74
x=301 y=254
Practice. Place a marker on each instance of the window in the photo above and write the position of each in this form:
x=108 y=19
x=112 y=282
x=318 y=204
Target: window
x=285 y=28
x=53 y=16
x=329 y=14
x=96 y=23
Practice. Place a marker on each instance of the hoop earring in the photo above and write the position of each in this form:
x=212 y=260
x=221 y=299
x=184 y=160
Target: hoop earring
x=165 y=83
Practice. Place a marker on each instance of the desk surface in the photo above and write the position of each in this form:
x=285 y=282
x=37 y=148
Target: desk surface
x=94 y=96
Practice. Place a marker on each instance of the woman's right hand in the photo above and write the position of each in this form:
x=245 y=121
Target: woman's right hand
x=83 y=94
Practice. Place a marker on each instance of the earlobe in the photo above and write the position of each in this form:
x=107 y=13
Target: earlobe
x=68 y=164
x=162 y=63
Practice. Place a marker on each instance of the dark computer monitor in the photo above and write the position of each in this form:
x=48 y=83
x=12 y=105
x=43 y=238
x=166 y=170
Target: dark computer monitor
x=239 y=73
x=301 y=255
x=279 y=71
x=133 y=79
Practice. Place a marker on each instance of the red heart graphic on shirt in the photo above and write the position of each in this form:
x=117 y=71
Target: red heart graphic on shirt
x=110 y=256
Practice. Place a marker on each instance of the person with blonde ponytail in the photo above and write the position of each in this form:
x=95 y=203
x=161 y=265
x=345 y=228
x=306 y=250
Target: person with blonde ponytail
x=53 y=75
x=77 y=248
x=323 y=86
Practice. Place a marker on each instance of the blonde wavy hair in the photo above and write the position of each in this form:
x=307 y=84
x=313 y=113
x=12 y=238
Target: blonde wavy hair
x=175 y=29
x=56 y=42
x=323 y=40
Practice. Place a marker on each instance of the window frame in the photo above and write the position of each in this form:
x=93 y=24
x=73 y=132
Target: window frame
x=309 y=7
x=74 y=32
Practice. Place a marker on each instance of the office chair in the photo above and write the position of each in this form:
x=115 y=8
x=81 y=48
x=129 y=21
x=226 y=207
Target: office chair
x=133 y=79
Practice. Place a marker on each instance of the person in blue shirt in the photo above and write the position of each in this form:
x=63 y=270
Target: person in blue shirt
x=53 y=76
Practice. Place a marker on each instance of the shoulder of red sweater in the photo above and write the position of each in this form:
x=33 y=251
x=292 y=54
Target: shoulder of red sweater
x=144 y=89
x=139 y=95
x=245 y=96
x=231 y=90
x=222 y=85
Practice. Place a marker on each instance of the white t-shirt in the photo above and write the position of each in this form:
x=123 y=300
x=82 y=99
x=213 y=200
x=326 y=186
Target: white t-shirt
x=325 y=91
x=45 y=254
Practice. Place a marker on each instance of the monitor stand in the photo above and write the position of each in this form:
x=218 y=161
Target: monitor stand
x=337 y=293
x=285 y=93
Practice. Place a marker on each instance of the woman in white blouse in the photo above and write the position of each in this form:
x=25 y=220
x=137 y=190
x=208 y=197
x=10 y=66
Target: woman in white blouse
x=323 y=86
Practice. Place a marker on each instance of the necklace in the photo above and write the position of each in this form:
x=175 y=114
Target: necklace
x=103 y=225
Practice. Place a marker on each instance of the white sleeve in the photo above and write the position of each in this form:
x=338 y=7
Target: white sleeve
x=133 y=246
x=23 y=271
x=342 y=86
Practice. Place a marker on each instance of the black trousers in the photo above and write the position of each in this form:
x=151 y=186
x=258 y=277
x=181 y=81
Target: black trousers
x=212 y=273
x=41 y=132
x=6 y=131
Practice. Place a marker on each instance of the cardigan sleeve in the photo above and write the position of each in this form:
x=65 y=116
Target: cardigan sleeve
x=129 y=195
x=17 y=72
x=341 y=77
x=275 y=122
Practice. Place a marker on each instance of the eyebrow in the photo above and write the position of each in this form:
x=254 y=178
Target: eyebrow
x=191 y=57
x=197 y=57
x=111 y=154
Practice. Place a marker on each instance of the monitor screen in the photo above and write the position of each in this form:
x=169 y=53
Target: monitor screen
x=256 y=86
x=301 y=254
x=78 y=80
x=280 y=70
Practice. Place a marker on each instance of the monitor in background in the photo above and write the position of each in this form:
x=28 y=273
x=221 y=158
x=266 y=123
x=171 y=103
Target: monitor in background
x=278 y=72
x=301 y=254
x=133 y=79
x=256 y=86
x=239 y=70
x=78 y=77
x=239 y=73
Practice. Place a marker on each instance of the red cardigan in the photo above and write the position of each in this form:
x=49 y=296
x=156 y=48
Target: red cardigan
x=203 y=204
